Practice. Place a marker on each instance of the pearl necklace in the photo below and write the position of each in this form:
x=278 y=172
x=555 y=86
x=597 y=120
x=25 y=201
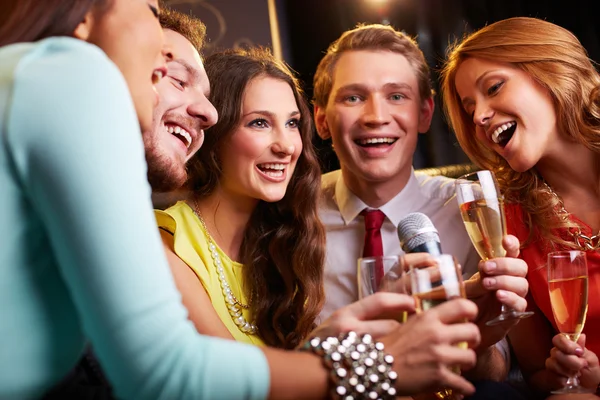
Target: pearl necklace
x=234 y=306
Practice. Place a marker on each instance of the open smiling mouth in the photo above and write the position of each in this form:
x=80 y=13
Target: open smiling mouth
x=180 y=134
x=376 y=142
x=272 y=170
x=504 y=133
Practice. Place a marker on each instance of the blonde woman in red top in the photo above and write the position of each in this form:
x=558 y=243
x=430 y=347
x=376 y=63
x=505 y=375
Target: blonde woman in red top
x=523 y=99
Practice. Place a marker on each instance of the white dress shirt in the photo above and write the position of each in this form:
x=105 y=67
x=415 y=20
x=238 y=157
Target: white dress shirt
x=340 y=212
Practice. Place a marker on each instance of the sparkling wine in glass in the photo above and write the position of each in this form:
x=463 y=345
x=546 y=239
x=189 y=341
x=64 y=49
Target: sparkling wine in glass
x=434 y=284
x=568 y=286
x=482 y=210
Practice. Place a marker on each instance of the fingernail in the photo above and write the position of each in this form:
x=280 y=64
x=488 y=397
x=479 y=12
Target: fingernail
x=500 y=294
x=579 y=351
x=489 y=282
x=489 y=266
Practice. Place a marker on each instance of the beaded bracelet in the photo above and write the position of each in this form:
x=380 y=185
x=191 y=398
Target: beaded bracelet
x=359 y=367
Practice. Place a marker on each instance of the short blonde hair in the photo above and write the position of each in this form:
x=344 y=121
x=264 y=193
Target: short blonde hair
x=187 y=26
x=370 y=37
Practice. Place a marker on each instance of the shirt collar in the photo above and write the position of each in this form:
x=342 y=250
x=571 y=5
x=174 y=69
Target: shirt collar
x=407 y=200
x=348 y=203
x=410 y=199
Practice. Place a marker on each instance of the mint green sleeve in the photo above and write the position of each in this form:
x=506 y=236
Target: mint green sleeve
x=78 y=155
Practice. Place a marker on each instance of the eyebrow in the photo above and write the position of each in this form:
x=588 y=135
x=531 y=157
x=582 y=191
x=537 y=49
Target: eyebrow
x=193 y=72
x=468 y=100
x=397 y=85
x=188 y=67
x=389 y=85
x=269 y=113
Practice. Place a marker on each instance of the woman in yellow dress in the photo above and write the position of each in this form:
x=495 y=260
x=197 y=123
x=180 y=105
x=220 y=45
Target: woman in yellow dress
x=247 y=247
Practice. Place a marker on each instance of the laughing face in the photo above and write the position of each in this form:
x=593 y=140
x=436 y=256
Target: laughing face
x=260 y=156
x=513 y=114
x=373 y=116
x=182 y=115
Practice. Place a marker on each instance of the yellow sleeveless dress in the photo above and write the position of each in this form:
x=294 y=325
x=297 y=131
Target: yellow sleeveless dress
x=191 y=245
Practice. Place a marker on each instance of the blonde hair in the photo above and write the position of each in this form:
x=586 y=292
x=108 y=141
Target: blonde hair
x=555 y=59
x=370 y=37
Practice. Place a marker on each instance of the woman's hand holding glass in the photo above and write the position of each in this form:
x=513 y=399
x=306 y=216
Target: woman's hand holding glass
x=432 y=285
x=568 y=289
x=569 y=358
x=425 y=345
x=482 y=210
x=425 y=348
x=500 y=282
x=375 y=314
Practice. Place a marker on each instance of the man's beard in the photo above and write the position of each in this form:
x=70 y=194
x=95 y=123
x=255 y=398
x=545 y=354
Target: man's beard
x=163 y=174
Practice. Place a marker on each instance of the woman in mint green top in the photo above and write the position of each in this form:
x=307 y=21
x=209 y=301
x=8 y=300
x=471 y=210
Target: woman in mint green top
x=80 y=255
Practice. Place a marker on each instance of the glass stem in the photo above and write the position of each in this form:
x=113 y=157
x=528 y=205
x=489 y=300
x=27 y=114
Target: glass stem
x=572 y=382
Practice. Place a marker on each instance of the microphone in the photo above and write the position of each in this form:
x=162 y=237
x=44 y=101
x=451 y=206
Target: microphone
x=418 y=235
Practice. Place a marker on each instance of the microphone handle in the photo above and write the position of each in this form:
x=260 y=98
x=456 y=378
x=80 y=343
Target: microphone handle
x=432 y=247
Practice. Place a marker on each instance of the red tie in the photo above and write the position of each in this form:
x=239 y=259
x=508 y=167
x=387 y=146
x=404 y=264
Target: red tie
x=373 y=243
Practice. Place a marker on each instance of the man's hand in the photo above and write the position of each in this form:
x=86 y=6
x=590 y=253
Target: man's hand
x=499 y=281
x=426 y=347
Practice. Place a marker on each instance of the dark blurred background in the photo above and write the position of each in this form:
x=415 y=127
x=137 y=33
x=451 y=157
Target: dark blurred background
x=301 y=30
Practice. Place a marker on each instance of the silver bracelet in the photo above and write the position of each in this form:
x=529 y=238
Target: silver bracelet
x=359 y=367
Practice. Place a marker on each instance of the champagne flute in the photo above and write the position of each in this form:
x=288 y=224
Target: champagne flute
x=482 y=211
x=433 y=285
x=568 y=286
x=379 y=274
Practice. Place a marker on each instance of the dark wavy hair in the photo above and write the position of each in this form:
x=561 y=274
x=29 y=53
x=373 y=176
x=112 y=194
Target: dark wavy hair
x=33 y=20
x=283 y=248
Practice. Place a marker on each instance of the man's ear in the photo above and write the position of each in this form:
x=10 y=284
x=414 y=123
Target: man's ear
x=426 y=114
x=321 y=123
x=84 y=29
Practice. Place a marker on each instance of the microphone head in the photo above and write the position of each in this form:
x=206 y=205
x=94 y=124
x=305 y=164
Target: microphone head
x=416 y=229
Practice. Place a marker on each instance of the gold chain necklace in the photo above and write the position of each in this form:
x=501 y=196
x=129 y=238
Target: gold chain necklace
x=234 y=306
x=584 y=242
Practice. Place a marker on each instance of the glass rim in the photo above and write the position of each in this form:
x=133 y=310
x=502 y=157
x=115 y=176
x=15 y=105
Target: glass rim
x=463 y=177
x=565 y=253
x=374 y=258
x=443 y=257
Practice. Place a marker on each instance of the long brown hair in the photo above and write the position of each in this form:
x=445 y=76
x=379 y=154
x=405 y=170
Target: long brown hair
x=283 y=248
x=555 y=59
x=33 y=20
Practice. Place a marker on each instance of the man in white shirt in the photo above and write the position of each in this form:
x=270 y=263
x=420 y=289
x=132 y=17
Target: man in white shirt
x=340 y=212
x=373 y=96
